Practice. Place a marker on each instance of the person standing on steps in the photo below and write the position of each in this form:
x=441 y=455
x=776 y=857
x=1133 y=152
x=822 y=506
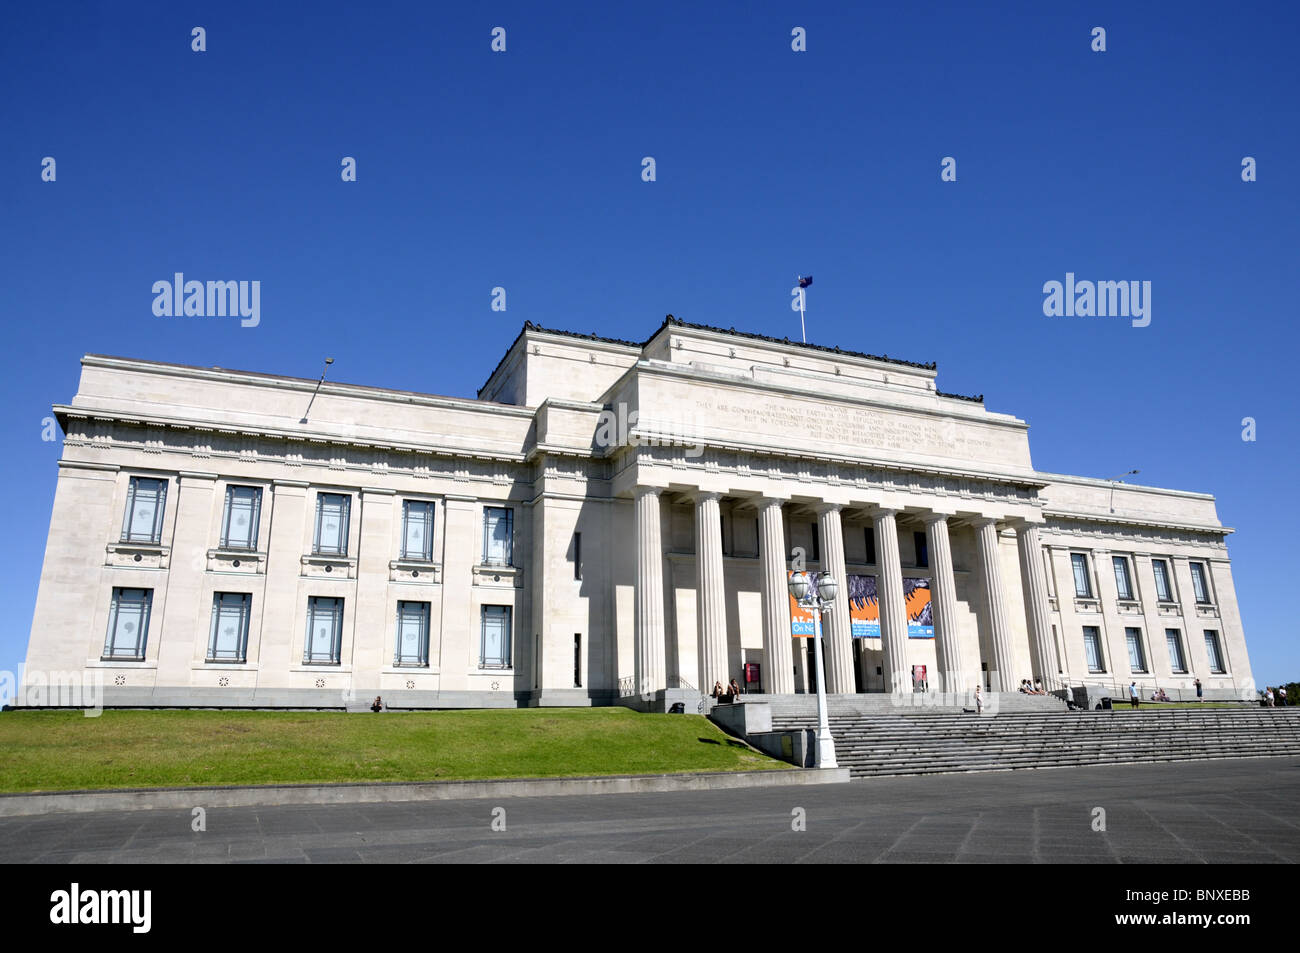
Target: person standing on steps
x=1198 y=689
x=979 y=701
x=1133 y=694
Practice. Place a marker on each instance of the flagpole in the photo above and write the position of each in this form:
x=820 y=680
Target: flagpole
x=803 y=331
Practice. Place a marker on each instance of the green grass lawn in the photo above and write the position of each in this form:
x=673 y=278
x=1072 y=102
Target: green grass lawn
x=64 y=750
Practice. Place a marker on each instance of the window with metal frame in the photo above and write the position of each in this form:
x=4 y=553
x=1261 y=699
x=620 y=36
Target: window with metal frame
x=1092 y=649
x=498 y=536
x=228 y=633
x=333 y=513
x=146 y=502
x=412 y=634
x=324 y=631
x=1123 y=579
x=239 y=521
x=1082 y=582
x=494 y=639
x=128 y=624
x=417 y=530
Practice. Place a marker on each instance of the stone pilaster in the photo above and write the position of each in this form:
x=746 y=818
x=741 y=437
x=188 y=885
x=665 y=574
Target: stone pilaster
x=893 y=609
x=943 y=602
x=648 y=629
x=1003 y=677
x=180 y=619
x=778 y=679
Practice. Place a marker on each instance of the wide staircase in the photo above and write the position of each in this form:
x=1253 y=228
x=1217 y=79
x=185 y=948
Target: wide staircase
x=899 y=741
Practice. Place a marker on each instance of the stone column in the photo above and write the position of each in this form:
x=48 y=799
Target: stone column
x=649 y=614
x=1034 y=582
x=836 y=635
x=986 y=531
x=710 y=599
x=779 y=677
x=893 y=608
x=943 y=601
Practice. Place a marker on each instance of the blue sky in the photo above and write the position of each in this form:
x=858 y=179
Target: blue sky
x=522 y=169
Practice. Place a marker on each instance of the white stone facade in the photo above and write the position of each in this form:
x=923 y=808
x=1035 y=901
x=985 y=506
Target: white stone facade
x=654 y=493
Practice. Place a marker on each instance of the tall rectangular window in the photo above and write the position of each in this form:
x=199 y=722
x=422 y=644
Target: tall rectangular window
x=333 y=512
x=146 y=501
x=1137 y=659
x=240 y=518
x=1092 y=648
x=816 y=543
x=412 y=634
x=1082 y=584
x=577 y=660
x=871 y=544
x=1215 y=652
x=1123 y=581
x=1199 y=584
x=922 y=550
x=1177 y=660
x=417 y=530
x=577 y=555
x=494 y=638
x=498 y=536
x=1164 y=591
x=228 y=634
x=128 y=624
x=324 y=631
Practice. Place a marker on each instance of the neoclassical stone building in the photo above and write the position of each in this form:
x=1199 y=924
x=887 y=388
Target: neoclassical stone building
x=608 y=521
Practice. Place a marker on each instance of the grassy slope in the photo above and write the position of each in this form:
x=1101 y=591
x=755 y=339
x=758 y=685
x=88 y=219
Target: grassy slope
x=51 y=751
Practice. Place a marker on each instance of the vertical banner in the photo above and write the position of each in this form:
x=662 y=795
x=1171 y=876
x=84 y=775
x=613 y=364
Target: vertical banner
x=864 y=607
x=802 y=623
x=920 y=618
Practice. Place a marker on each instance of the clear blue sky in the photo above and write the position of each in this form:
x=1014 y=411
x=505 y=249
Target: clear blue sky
x=523 y=170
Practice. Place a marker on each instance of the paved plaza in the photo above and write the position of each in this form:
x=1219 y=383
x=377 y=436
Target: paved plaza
x=1240 y=811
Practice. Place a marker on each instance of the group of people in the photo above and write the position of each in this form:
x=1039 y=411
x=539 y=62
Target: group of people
x=1032 y=688
x=1274 y=699
x=1159 y=696
x=724 y=694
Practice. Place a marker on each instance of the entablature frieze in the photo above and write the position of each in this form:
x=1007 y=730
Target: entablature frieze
x=103 y=434
x=1103 y=536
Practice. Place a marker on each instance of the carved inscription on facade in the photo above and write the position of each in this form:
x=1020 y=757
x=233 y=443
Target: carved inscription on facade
x=855 y=426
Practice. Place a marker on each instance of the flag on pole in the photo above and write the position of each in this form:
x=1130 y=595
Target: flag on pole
x=805 y=281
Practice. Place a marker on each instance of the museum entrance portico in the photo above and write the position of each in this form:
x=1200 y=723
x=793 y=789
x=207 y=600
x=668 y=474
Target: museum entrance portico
x=927 y=588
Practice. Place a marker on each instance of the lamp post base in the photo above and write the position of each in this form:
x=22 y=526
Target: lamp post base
x=825 y=751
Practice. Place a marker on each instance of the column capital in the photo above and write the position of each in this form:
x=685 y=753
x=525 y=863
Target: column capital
x=930 y=516
x=824 y=506
x=1022 y=525
x=884 y=512
x=979 y=522
x=704 y=496
x=642 y=490
x=763 y=502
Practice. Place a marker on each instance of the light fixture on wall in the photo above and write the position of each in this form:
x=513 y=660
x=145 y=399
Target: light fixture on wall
x=328 y=362
x=1113 y=481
